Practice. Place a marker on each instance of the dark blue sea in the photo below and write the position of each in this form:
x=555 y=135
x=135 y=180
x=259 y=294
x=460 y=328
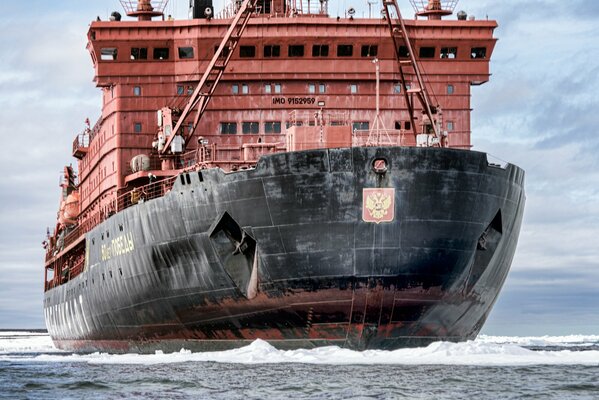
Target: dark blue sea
x=487 y=368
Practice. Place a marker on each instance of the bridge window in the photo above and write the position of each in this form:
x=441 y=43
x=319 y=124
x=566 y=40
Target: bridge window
x=296 y=50
x=109 y=54
x=360 y=126
x=322 y=88
x=180 y=90
x=450 y=126
x=277 y=88
x=137 y=91
x=235 y=88
x=345 y=50
x=161 y=53
x=311 y=88
x=370 y=50
x=247 y=51
x=449 y=52
x=320 y=50
x=450 y=89
x=272 y=127
x=403 y=52
x=396 y=88
x=250 y=127
x=267 y=88
x=245 y=89
x=272 y=50
x=137 y=127
x=478 y=52
x=185 y=52
x=224 y=53
x=228 y=128
x=139 y=53
x=353 y=88
x=427 y=52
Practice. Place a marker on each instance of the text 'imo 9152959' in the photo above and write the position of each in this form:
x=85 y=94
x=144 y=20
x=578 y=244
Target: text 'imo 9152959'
x=274 y=172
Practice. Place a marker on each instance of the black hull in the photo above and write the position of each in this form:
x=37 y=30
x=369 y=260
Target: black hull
x=282 y=253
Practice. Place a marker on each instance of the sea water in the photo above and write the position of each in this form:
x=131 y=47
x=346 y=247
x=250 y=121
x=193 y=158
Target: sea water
x=487 y=368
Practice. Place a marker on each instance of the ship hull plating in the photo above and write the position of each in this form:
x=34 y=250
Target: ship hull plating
x=282 y=253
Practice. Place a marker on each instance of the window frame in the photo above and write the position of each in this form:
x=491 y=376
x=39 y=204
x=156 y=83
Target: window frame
x=186 y=53
x=156 y=51
x=250 y=127
x=342 y=50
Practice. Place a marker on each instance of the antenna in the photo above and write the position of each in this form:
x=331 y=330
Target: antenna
x=434 y=9
x=144 y=10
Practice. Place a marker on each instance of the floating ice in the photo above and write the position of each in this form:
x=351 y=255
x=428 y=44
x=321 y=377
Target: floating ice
x=485 y=351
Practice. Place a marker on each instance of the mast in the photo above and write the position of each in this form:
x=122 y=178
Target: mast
x=144 y=10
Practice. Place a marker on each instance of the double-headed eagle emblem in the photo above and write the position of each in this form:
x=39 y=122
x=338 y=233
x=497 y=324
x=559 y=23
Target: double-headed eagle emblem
x=378 y=205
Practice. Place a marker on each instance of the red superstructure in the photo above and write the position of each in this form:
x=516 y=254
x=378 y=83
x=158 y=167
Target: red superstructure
x=297 y=79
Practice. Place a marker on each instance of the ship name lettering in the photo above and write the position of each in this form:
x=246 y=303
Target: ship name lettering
x=118 y=246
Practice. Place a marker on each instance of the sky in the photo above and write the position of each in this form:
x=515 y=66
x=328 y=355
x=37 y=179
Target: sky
x=540 y=110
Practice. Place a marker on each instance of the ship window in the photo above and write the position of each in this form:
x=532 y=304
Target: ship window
x=311 y=88
x=267 y=88
x=408 y=125
x=224 y=53
x=180 y=90
x=235 y=88
x=450 y=126
x=370 y=50
x=228 y=128
x=450 y=89
x=109 y=54
x=320 y=50
x=137 y=91
x=360 y=126
x=345 y=50
x=427 y=52
x=403 y=52
x=353 y=88
x=137 y=127
x=449 y=52
x=250 y=127
x=185 y=52
x=478 y=52
x=139 y=53
x=272 y=50
x=322 y=88
x=277 y=88
x=272 y=127
x=396 y=88
x=247 y=51
x=397 y=125
x=161 y=53
x=245 y=89
x=296 y=50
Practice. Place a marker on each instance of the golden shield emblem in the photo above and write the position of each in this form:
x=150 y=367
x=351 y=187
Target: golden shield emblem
x=378 y=205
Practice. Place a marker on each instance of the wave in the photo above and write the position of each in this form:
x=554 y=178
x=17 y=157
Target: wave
x=485 y=351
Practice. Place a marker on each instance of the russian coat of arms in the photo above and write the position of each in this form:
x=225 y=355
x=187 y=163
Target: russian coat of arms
x=378 y=205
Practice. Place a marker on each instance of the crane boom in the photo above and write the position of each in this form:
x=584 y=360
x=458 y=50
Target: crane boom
x=398 y=30
x=203 y=92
